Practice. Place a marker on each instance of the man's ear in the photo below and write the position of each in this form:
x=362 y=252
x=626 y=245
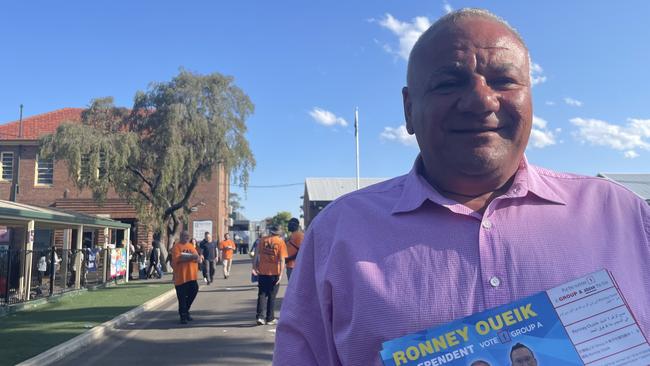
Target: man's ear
x=407 y=110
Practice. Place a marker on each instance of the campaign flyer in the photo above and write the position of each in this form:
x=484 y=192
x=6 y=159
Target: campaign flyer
x=583 y=322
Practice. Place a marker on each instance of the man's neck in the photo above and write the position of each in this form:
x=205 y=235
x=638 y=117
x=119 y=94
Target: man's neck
x=475 y=193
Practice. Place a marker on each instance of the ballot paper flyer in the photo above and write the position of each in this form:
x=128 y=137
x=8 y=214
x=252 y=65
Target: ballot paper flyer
x=583 y=322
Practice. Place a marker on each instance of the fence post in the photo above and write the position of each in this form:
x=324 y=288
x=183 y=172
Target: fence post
x=52 y=270
x=8 y=281
x=78 y=263
x=29 y=258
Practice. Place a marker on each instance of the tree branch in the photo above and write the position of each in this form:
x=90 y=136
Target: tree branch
x=190 y=189
x=141 y=176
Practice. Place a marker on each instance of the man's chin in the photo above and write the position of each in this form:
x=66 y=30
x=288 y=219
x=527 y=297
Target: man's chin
x=482 y=165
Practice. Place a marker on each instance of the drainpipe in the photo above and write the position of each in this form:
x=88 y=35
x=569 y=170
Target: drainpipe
x=16 y=188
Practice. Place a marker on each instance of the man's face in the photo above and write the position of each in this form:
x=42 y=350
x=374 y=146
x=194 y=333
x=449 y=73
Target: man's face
x=523 y=357
x=184 y=237
x=227 y=236
x=468 y=100
x=480 y=363
x=208 y=237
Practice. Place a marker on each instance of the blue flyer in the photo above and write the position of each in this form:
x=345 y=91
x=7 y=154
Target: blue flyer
x=585 y=321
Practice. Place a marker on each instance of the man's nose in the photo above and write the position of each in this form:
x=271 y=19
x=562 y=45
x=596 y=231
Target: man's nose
x=479 y=98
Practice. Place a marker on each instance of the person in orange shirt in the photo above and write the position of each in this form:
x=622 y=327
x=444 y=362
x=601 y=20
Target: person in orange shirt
x=268 y=265
x=227 y=248
x=184 y=260
x=293 y=244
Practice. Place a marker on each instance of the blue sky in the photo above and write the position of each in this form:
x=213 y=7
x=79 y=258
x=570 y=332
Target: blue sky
x=307 y=65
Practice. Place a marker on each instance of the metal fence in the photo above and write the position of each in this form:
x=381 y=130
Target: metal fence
x=53 y=272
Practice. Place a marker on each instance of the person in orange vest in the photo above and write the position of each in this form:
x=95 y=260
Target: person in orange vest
x=293 y=244
x=227 y=248
x=268 y=265
x=184 y=263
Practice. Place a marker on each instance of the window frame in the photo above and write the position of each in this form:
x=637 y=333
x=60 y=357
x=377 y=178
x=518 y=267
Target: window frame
x=2 y=167
x=36 y=167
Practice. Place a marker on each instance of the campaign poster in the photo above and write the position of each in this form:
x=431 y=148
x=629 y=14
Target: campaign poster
x=582 y=322
x=91 y=259
x=200 y=227
x=118 y=262
x=529 y=326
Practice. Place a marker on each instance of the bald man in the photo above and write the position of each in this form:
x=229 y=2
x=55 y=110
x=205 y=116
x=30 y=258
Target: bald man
x=472 y=226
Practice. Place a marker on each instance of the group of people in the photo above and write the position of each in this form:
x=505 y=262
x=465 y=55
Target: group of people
x=272 y=255
x=213 y=252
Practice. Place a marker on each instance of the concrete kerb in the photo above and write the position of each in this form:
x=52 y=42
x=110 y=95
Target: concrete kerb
x=95 y=334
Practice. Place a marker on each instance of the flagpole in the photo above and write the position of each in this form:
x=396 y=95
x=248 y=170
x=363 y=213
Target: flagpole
x=356 y=135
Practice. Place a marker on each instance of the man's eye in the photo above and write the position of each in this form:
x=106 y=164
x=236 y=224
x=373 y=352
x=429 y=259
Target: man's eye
x=446 y=85
x=503 y=83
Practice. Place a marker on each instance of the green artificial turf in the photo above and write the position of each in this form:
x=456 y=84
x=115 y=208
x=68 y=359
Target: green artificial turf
x=27 y=333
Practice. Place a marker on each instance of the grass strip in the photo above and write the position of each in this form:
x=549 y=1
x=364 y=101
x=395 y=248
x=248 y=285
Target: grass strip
x=27 y=333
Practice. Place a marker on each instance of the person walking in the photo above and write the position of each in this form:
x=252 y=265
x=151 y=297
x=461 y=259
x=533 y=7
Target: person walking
x=154 y=259
x=227 y=248
x=293 y=244
x=210 y=255
x=268 y=265
x=184 y=262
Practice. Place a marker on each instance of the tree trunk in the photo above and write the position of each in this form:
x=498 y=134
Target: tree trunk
x=170 y=231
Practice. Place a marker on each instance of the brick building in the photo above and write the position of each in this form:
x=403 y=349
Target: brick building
x=26 y=178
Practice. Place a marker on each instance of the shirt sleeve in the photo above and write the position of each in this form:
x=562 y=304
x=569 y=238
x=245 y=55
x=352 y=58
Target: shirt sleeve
x=304 y=334
x=176 y=255
x=283 y=249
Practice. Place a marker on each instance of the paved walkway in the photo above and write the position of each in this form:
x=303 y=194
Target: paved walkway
x=223 y=331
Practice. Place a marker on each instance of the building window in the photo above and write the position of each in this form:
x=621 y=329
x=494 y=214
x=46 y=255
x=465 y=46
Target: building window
x=44 y=171
x=7 y=166
x=101 y=171
x=85 y=170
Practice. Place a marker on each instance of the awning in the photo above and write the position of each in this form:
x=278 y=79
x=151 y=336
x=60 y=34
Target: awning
x=14 y=212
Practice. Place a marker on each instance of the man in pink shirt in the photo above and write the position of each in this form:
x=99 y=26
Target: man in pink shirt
x=472 y=226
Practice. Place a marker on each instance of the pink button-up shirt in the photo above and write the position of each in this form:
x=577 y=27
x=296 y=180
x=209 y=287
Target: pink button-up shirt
x=398 y=257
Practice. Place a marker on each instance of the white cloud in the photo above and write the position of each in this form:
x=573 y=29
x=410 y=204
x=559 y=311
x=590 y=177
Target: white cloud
x=407 y=33
x=326 y=118
x=536 y=72
x=641 y=125
x=539 y=122
x=634 y=135
x=550 y=102
x=446 y=7
x=540 y=136
x=398 y=134
x=572 y=102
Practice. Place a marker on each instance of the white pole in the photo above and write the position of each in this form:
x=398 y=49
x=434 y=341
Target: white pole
x=356 y=135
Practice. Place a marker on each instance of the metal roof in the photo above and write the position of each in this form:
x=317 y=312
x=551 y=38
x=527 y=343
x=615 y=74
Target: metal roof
x=329 y=189
x=637 y=183
x=22 y=212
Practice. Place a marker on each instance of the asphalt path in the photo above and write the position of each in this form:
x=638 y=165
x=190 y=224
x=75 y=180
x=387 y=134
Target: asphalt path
x=223 y=331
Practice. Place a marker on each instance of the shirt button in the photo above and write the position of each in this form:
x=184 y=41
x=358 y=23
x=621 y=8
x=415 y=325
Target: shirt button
x=486 y=224
x=495 y=281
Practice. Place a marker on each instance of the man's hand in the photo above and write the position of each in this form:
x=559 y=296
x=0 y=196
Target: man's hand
x=277 y=283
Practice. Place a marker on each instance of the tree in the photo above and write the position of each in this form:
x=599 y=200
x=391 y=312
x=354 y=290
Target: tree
x=281 y=220
x=234 y=201
x=154 y=154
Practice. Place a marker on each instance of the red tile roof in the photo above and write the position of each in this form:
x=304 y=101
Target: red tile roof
x=35 y=127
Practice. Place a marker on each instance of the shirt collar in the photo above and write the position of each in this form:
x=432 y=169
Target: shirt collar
x=416 y=190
